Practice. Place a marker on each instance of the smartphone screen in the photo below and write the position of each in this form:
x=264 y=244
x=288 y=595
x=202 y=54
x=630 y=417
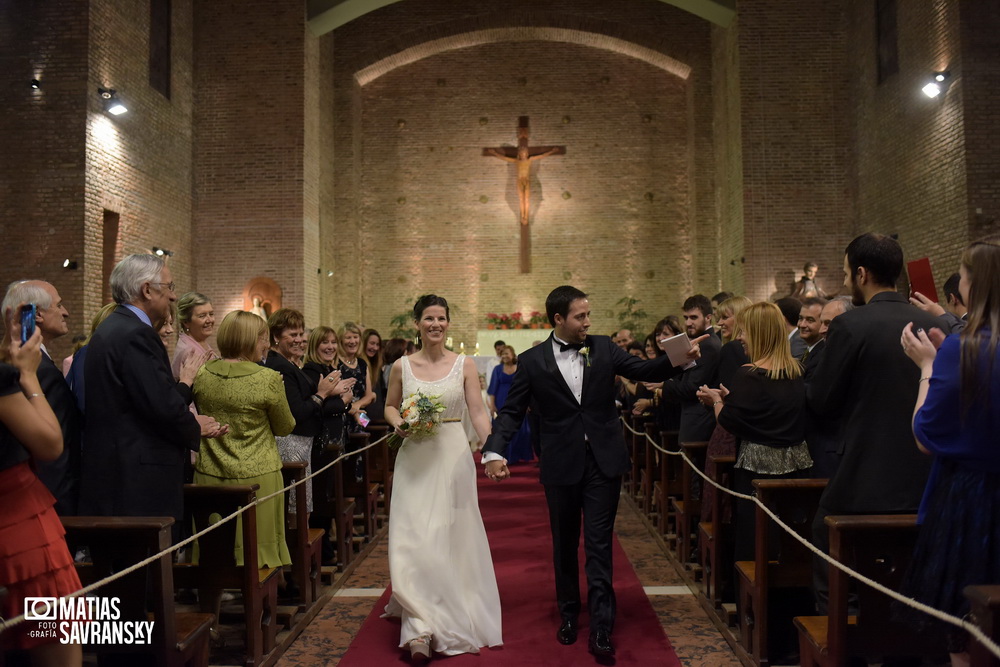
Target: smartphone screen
x=363 y=419
x=27 y=322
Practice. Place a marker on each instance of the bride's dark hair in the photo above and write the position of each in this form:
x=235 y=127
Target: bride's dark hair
x=428 y=300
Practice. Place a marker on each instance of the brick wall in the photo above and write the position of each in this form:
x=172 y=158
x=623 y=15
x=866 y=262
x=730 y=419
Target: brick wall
x=910 y=150
x=790 y=59
x=254 y=213
x=628 y=211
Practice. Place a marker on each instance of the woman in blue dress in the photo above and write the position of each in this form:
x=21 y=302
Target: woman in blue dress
x=503 y=376
x=956 y=420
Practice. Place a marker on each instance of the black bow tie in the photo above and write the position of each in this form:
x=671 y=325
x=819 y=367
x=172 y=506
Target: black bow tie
x=571 y=346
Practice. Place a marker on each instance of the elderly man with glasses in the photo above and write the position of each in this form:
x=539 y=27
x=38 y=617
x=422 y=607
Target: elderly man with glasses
x=138 y=428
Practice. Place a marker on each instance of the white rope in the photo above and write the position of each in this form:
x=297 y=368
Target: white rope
x=7 y=625
x=990 y=645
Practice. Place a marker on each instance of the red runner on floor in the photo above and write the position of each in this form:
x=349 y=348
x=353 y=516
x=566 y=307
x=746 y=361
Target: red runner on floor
x=517 y=524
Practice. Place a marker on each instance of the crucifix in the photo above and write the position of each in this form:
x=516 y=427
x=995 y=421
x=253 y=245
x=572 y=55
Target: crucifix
x=523 y=156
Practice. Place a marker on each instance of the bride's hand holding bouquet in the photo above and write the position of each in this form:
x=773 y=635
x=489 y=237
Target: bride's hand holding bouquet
x=421 y=414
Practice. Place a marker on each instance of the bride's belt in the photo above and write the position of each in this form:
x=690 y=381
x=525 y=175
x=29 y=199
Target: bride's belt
x=450 y=419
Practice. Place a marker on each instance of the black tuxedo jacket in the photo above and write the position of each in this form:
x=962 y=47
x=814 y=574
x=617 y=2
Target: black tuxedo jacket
x=139 y=430
x=566 y=426
x=866 y=382
x=61 y=476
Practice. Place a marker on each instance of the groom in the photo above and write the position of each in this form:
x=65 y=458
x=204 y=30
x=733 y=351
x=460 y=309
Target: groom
x=569 y=383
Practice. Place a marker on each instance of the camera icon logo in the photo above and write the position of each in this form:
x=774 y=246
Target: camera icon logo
x=40 y=609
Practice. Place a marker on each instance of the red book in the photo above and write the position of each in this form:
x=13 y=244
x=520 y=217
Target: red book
x=922 y=278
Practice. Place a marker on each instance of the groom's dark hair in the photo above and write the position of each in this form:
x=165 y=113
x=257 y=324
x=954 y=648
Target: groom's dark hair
x=559 y=299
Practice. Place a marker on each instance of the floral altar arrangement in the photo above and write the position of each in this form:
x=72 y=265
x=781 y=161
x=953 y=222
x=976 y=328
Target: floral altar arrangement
x=517 y=320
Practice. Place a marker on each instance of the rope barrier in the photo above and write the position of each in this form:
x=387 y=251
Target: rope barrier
x=8 y=624
x=974 y=630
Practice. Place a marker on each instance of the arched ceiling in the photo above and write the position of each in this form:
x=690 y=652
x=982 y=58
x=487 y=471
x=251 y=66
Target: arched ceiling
x=495 y=35
x=327 y=15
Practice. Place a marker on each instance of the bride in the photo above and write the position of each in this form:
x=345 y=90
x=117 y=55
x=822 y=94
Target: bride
x=443 y=586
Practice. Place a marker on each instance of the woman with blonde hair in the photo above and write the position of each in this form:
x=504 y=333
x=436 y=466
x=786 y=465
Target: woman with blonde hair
x=195 y=322
x=351 y=364
x=764 y=409
x=238 y=391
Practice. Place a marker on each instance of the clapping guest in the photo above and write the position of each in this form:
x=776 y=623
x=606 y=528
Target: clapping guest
x=238 y=391
x=34 y=558
x=372 y=343
x=305 y=397
x=320 y=362
x=196 y=318
x=956 y=420
x=764 y=408
x=351 y=365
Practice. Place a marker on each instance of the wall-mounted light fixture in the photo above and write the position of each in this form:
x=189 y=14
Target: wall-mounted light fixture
x=112 y=104
x=163 y=252
x=36 y=84
x=70 y=264
x=937 y=85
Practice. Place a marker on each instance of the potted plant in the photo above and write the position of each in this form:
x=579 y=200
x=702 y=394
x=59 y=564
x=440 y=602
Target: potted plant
x=493 y=320
x=630 y=316
x=537 y=320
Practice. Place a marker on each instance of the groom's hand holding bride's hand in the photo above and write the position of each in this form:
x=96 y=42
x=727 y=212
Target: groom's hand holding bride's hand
x=497 y=470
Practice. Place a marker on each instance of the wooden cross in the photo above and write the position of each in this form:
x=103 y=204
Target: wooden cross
x=523 y=155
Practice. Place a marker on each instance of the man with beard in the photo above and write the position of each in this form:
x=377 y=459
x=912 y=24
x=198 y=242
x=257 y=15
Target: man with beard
x=866 y=381
x=697 y=422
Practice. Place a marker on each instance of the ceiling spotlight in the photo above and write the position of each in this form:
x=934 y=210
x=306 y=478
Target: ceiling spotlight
x=163 y=252
x=70 y=264
x=36 y=84
x=112 y=104
x=937 y=85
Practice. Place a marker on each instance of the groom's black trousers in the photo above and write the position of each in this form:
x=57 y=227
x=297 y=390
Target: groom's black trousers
x=596 y=497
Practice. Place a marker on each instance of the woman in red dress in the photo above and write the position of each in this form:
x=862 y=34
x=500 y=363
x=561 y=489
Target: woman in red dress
x=34 y=558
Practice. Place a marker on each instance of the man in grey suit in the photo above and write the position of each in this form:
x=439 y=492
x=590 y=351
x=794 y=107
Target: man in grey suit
x=866 y=381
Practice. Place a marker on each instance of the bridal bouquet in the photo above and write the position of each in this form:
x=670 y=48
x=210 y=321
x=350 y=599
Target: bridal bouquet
x=421 y=414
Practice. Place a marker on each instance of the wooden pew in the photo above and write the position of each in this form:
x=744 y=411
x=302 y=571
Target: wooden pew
x=985 y=602
x=118 y=542
x=783 y=563
x=686 y=507
x=380 y=469
x=637 y=447
x=304 y=543
x=650 y=471
x=878 y=547
x=217 y=570
x=715 y=535
x=330 y=503
x=667 y=484
x=628 y=481
x=363 y=491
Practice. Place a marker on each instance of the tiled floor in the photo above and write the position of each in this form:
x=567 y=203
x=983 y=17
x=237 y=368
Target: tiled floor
x=692 y=634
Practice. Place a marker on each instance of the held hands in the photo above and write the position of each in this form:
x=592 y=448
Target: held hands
x=497 y=470
x=920 y=346
x=211 y=428
x=926 y=305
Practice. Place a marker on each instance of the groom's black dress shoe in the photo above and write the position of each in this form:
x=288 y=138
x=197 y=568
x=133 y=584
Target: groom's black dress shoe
x=600 y=644
x=567 y=633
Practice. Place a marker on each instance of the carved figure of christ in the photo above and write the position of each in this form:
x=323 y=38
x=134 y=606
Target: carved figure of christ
x=523 y=155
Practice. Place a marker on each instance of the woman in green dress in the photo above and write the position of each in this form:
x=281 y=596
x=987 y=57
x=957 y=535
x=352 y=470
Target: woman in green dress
x=238 y=391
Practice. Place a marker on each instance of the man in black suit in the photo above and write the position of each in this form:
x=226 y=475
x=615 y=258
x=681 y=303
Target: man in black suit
x=139 y=430
x=569 y=383
x=866 y=381
x=697 y=422
x=61 y=476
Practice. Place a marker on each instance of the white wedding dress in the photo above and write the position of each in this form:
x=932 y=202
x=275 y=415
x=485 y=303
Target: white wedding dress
x=443 y=584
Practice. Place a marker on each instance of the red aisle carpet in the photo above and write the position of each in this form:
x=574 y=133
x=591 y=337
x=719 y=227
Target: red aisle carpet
x=517 y=523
